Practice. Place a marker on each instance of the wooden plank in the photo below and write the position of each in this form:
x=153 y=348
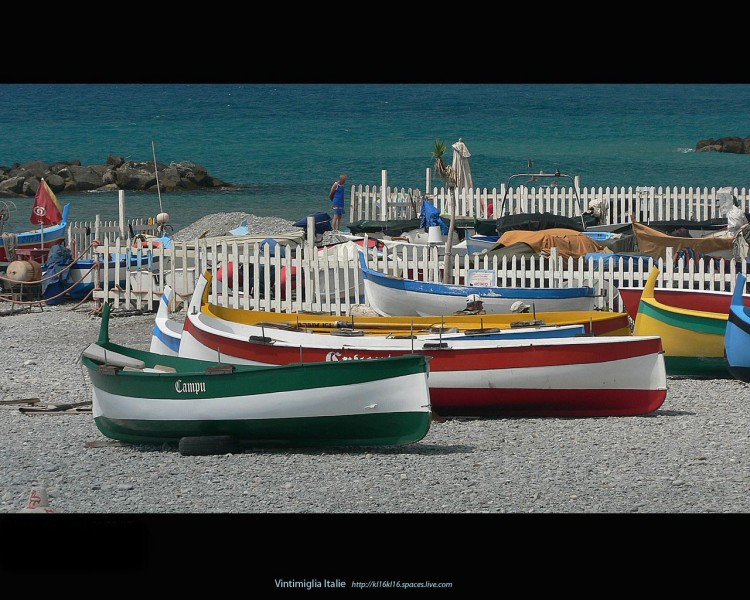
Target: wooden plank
x=21 y=401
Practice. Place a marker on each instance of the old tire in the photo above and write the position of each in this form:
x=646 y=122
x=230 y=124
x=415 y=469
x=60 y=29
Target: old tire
x=207 y=445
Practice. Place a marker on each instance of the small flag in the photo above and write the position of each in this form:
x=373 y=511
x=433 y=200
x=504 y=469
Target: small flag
x=46 y=209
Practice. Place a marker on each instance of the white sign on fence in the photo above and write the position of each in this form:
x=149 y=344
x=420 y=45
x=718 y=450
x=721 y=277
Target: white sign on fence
x=481 y=277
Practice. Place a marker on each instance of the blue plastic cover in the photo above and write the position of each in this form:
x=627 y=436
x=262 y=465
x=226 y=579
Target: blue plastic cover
x=431 y=217
x=322 y=222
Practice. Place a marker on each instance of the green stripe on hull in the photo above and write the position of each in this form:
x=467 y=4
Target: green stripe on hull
x=264 y=379
x=708 y=367
x=348 y=430
x=685 y=321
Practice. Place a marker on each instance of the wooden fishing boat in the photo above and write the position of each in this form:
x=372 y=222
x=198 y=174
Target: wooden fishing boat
x=737 y=338
x=595 y=322
x=693 y=339
x=167 y=332
x=572 y=376
x=38 y=241
x=396 y=296
x=78 y=278
x=702 y=300
x=140 y=396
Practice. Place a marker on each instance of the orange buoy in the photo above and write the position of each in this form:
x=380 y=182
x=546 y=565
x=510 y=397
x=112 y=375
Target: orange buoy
x=24 y=271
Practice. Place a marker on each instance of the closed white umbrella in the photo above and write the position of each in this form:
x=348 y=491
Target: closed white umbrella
x=461 y=168
x=460 y=176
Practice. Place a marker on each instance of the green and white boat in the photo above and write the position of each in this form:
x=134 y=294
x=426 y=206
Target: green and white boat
x=140 y=396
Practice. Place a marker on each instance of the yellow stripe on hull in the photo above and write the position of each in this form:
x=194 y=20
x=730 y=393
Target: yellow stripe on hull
x=678 y=341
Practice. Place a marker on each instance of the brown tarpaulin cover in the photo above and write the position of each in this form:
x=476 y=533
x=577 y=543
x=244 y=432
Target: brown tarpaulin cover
x=567 y=241
x=654 y=243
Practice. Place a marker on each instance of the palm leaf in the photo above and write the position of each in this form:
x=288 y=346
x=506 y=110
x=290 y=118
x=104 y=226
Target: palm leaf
x=438 y=149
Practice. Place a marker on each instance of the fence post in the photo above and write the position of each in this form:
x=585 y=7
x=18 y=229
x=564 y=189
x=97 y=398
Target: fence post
x=311 y=232
x=121 y=205
x=383 y=195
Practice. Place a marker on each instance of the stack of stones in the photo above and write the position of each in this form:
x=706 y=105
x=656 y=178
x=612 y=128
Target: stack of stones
x=22 y=180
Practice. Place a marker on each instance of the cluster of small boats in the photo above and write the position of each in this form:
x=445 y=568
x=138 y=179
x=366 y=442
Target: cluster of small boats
x=309 y=379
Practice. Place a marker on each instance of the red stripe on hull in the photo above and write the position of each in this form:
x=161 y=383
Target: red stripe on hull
x=545 y=403
x=607 y=326
x=706 y=301
x=468 y=359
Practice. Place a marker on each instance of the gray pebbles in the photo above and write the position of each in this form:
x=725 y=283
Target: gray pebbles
x=690 y=456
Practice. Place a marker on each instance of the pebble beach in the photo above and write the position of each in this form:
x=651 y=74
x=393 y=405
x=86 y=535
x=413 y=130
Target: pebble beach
x=690 y=456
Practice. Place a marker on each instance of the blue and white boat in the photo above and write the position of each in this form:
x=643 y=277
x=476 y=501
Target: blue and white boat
x=36 y=240
x=64 y=278
x=167 y=333
x=479 y=243
x=396 y=296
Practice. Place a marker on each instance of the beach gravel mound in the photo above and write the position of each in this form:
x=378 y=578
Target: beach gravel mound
x=218 y=224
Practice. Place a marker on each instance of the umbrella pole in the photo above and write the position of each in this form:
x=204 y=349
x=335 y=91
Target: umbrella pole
x=448 y=258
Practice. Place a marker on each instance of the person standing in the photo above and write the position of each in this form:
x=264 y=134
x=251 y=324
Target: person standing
x=337 y=198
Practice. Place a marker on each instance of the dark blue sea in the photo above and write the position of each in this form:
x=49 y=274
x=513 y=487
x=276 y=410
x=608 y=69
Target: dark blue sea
x=282 y=145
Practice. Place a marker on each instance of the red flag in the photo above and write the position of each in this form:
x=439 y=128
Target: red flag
x=46 y=209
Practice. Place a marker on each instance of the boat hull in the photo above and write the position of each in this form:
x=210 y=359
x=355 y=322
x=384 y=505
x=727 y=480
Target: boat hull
x=737 y=338
x=140 y=396
x=39 y=239
x=299 y=428
x=371 y=403
x=703 y=300
x=608 y=376
x=394 y=296
x=167 y=333
x=693 y=340
x=84 y=275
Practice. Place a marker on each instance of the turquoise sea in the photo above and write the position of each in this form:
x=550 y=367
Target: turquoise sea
x=282 y=145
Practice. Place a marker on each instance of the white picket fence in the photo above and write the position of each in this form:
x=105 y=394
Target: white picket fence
x=308 y=279
x=329 y=280
x=648 y=203
x=81 y=234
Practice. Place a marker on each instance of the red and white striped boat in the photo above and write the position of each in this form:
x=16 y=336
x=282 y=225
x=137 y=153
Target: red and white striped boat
x=568 y=377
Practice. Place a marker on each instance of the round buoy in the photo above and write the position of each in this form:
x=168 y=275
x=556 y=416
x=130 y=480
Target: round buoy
x=227 y=276
x=24 y=271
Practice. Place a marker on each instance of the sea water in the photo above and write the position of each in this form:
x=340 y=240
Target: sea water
x=283 y=145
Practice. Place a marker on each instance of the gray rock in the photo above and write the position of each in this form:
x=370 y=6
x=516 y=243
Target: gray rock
x=70 y=176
